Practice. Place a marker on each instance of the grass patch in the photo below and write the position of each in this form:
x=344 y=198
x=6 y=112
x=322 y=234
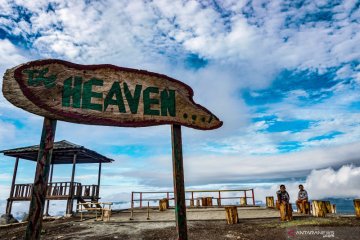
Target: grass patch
x=308 y=222
x=311 y=221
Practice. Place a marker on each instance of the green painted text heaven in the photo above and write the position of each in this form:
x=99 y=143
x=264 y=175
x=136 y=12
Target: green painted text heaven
x=79 y=94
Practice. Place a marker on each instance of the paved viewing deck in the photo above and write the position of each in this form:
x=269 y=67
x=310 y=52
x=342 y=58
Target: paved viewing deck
x=193 y=214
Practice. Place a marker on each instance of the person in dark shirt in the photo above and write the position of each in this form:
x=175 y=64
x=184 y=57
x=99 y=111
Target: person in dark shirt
x=284 y=201
x=282 y=194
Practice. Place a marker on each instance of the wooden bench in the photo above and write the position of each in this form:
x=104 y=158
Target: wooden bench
x=106 y=211
x=102 y=210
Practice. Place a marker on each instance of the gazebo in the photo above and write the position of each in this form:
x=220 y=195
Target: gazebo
x=64 y=152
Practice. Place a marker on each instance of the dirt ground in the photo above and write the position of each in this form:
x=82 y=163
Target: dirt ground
x=333 y=227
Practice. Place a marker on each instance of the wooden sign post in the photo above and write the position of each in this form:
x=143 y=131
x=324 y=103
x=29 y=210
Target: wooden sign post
x=103 y=95
x=39 y=189
x=178 y=176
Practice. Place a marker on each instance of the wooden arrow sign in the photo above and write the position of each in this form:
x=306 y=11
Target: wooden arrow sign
x=104 y=95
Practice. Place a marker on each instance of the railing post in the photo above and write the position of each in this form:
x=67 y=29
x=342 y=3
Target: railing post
x=148 y=211
x=132 y=199
x=56 y=189
x=253 y=196
x=49 y=189
x=9 y=201
x=70 y=202
x=31 y=188
x=22 y=191
x=219 y=204
x=141 y=200
x=99 y=177
x=245 y=197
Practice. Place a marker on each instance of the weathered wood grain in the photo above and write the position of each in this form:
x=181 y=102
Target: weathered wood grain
x=319 y=208
x=36 y=209
x=231 y=215
x=104 y=95
x=243 y=201
x=179 y=187
x=163 y=204
x=285 y=211
x=270 y=202
x=357 y=207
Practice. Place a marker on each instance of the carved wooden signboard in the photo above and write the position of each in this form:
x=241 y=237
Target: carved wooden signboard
x=104 y=95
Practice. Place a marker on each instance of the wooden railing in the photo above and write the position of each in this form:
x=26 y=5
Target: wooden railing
x=22 y=191
x=89 y=191
x=63 y=189
x=58 y=190
x=192 y=195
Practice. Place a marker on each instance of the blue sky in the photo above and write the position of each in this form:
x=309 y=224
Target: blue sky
x=283 y=76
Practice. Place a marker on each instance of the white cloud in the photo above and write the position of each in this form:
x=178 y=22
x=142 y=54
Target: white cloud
x=156 y=171
x=232 y=168
x=320 y=184
x=10 y=55
x=334 y=183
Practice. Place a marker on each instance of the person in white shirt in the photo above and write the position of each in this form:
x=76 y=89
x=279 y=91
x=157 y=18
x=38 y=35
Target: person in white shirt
x=302 y=198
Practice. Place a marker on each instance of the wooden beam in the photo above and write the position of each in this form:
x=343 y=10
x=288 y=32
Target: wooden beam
x=9 y=202
x=71 y=193
x=179 y=189
x=50 y=181
x=99 y=176
x=36 y=210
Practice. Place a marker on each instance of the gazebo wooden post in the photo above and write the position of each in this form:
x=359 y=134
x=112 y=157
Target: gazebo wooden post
x=179 y=189
x=36 y=209
x=253 y=196
x=70 y=202
x=50 y=181
x=98 y=183
x=9 y=201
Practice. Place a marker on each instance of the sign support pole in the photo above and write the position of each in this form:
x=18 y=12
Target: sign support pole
x=38 y=195
x=178 y=175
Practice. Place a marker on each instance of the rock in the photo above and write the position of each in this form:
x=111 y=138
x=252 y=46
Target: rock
x=7 y=219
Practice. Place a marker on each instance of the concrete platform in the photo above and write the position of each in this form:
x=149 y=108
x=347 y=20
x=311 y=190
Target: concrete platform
x=194 y=214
